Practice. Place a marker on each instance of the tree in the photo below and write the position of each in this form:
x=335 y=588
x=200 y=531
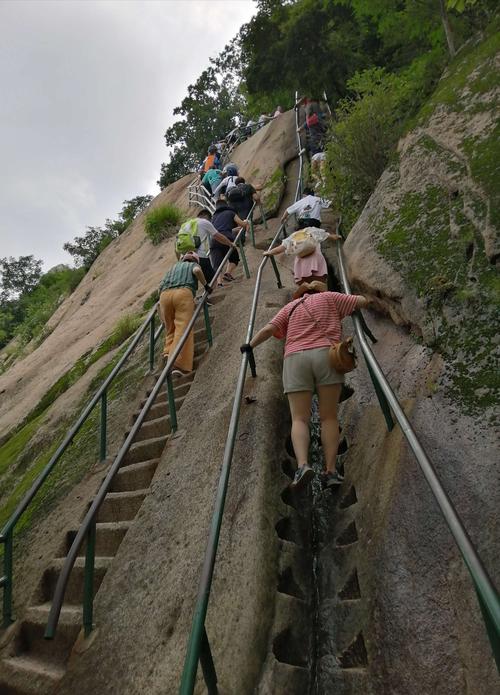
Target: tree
x=19 y=276
x=181 y=163
x=86 y=248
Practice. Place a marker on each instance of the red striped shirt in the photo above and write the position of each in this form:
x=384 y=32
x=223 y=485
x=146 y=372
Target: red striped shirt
x=301 y=332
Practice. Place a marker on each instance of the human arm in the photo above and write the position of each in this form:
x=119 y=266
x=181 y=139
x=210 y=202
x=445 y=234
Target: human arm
x=221 y=239
x=241 y=223
x=260 y=337
x=275 y=251
x=362 y=302
x=198 y=273
x=285 y=216
x=334 y=236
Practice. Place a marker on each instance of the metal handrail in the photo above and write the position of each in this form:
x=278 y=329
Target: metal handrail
x=487 y=594
x=198 y=646
x=87 y=527
x=6 y=534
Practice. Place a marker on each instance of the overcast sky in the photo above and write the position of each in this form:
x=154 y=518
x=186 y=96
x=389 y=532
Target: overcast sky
x=87 y=89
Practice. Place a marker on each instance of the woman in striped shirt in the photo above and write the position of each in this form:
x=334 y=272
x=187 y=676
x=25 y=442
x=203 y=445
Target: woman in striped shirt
x=309 y=325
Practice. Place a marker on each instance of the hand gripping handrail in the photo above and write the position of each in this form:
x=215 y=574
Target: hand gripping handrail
x=6 y=534
x=87 y=527
x=198 y=646
x=487 y=594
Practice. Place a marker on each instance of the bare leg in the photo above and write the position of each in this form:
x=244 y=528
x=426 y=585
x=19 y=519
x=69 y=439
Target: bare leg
x=328 y=402
x=300 y=409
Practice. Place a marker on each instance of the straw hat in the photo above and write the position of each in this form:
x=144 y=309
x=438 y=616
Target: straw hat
x=310 y=287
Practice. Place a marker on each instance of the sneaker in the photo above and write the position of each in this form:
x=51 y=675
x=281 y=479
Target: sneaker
x=179 y=372
x=329 y=479
x=303 y=475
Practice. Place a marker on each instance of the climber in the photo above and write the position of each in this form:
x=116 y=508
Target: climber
x=201 y=231
x=310 y=325
x=229 y=180
x=211 y=179
x=242 y=197
x=177 y=292
x=304 y=245
x=212 y=159
x=225 y=220
x=307 y=210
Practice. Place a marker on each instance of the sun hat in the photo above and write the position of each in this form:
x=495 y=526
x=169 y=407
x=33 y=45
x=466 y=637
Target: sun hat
x=310 y=287
x=190 y=255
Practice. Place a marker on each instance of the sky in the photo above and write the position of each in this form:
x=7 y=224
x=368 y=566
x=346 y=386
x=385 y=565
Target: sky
x=87 y=90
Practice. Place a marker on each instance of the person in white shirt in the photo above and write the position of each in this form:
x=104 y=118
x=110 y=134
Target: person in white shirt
x=206 y=231
x=307 y=210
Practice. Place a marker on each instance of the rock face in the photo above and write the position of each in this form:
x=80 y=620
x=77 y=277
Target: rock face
x=427 y=243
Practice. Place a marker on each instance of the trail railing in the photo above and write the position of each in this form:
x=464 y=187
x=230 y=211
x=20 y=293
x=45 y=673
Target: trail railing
x=99 y=399
x=87 y=530
x=198 y=649
x=487 y=594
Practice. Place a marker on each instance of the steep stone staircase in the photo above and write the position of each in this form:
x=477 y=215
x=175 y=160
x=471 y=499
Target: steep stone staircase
x=32 y=665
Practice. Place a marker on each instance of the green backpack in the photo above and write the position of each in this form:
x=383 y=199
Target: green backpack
x=187 y=239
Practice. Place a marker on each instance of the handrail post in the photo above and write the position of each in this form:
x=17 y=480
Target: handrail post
x=252 y=231
x=208 y=327
x=152 y=343
x=8 y=541
x=263 y=216
x=243 y=258
x=207 y=665
x=384 y=405
x=171 y=404
x=88 y=585
x=276 y=271
x=103 y=427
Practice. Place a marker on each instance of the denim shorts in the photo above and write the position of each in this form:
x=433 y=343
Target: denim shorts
x=304 y=370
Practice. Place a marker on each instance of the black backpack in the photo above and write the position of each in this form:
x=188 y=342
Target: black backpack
x=236 y=194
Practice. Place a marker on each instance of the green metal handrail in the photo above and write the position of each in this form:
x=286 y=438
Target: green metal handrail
x=487 y=594
x=87 y=527
x=198 y=647
x=100 y=396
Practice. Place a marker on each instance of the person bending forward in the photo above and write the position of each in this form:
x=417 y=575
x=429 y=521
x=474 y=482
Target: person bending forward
x=309 y=325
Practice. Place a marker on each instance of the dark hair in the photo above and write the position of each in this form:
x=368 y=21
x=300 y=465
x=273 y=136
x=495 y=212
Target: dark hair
x=240 y=179
x=308 y=191
x=212 y=149
x=205 y=212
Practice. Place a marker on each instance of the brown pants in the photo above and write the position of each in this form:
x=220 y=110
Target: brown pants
x=176 y=310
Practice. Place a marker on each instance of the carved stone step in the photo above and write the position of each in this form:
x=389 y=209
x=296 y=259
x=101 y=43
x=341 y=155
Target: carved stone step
x=135 y=476
x=121 y=506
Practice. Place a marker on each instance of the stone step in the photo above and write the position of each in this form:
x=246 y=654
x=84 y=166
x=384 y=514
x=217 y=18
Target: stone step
x=74 y=588
x=24 y=676
x=135 y=476
x=146 y=450
x=151 y=429
x=121 y=506
x=30 y=638
x=108 y=538
x=180 y=391
x=158 y=409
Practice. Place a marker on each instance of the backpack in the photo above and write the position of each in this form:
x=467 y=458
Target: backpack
x=235 y=194
x=187 y=239
x=209 y=162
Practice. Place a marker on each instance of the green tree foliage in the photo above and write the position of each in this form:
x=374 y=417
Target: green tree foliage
x=26 y=314
x=368 y=127
x=19 y=276
x=209 y=111
x=85 y=249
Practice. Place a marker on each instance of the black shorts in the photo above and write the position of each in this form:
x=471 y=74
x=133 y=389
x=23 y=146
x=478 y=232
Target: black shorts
x=311 y=222
x=208 y=271
x=217 y=254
